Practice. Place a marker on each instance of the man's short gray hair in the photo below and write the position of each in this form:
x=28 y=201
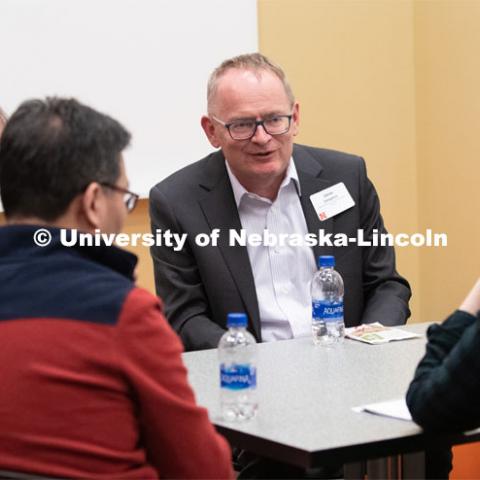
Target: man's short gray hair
x=249 y=61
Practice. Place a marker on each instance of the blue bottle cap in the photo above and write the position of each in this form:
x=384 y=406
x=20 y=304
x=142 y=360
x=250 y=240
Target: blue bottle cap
x=237 y=320
x=326 y=261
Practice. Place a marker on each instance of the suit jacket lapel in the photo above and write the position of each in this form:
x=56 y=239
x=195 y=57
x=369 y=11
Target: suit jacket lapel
x=309 y=174
x=221 y=212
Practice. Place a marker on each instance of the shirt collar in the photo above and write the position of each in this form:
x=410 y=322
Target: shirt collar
x=239 y=190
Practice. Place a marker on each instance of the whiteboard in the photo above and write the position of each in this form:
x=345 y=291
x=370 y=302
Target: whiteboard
x=144 y=62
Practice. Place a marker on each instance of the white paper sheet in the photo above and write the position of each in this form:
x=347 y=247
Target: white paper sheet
x=392 y=408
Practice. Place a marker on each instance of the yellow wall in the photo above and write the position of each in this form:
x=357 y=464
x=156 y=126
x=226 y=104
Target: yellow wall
x=448 y=148
x=351 y=65
x=398 y=83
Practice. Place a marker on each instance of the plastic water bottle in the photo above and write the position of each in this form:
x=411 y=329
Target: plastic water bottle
x=237 y=352
x=328 y=327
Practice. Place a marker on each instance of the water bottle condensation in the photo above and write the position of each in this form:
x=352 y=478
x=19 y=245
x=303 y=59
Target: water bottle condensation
x=328 y=327
x=237 y=354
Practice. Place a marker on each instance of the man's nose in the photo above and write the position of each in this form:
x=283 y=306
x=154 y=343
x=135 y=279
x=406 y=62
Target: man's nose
x=261 y=136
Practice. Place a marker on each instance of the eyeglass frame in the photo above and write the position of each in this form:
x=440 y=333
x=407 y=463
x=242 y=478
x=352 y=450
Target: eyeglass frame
x=257 y=124
x=130 y=201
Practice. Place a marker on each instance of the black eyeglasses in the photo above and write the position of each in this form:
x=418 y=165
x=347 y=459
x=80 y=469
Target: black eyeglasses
x=245 y=129
x=129 y=198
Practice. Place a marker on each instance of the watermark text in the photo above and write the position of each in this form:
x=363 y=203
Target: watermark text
x=233 y=238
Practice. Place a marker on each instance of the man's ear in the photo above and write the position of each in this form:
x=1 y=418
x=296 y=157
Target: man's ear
x=295 y=118
x=93 y=205
x=210 y=131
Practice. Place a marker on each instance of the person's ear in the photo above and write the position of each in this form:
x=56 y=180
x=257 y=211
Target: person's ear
x=210 y=131
x=93 y=205
x=295 y=118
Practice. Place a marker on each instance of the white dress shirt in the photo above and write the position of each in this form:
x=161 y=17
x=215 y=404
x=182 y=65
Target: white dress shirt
x=282 y=274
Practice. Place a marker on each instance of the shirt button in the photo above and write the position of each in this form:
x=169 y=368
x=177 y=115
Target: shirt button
x=277 y=250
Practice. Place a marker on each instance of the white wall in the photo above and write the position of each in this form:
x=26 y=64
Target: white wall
x=145 y=62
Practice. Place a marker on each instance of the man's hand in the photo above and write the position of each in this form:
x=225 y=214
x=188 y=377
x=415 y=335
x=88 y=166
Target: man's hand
x=471 y=304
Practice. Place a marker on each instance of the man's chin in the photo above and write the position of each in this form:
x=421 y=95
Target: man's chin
x=269 y=166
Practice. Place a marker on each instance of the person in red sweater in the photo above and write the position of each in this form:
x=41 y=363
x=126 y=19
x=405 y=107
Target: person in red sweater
x=92 y=380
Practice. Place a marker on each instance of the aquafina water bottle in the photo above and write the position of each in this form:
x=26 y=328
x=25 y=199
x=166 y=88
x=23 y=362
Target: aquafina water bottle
x=237 y=352
x=328 y=327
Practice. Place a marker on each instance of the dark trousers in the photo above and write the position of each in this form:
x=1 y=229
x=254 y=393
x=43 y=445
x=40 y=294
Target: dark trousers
x=438 y=464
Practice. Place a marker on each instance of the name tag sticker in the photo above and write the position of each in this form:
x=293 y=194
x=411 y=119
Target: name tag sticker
x=332 y=201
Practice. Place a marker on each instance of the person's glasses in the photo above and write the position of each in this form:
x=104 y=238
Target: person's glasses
x=245 y=129
x=129 y=198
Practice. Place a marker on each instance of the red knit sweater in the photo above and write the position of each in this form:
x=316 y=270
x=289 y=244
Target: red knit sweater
x=105 y=397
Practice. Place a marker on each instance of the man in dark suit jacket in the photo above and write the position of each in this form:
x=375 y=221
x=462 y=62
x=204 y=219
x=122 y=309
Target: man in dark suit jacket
x=253 y=119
